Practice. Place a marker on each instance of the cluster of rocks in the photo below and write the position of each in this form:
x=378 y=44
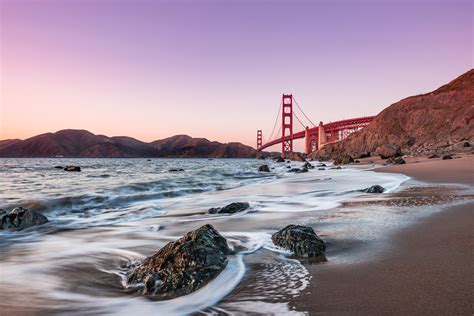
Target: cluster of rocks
x=20 y=218
x=187 y=264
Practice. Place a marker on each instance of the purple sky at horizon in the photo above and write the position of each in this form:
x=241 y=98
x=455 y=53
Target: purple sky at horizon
x=217 y=69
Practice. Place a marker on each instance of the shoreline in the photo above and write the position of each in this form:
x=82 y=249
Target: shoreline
x=427 y=268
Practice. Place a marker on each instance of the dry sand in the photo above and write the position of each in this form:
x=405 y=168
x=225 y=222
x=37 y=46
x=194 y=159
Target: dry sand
x=428 y=271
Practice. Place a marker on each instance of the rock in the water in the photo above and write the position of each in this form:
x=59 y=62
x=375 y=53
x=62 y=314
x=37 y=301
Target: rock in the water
x=446 y=157
x=388 y=151
x=321 y=165
x=231 y=208
x=183 y=266
x=374 y=189
x=321 y=168
x=280 y=159
x=396 y=161
x=58 y=167
x=298 y=170
x=20 y=218
x=308 y=165
x=72 y=168
x=176 y=170
x=264 y=168
x=343 y=160
x=338 y=167
x=301 y=240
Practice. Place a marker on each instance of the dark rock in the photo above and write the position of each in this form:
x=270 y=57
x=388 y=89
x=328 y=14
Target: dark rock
x=396 y=161
x=20 y=218
x=344 y=160
x=433 y=156
x=446 y=157
x=183 y=266
x=176 y=170
x=288 y=161
x=264 y=168
x=230 y=209
x=321 y=165
x=280 y=159
x=307 y=165
x=58 y=167
x=298 y=170
x=466 y=144
x=321 y=168
x=388 y=151
x=338 y=167
x=374 y=189
x=72 y=168
x=288 y=167
x=364 y=155
x=301 y=240
x=357 y=161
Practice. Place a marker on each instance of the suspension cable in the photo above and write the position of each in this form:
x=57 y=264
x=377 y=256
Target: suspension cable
x=303 y=112
x=294 y=113
x=276 y=120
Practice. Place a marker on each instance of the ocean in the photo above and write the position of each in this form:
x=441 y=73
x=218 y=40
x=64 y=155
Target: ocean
x=118 y=211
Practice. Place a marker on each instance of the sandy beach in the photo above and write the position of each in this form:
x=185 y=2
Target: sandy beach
x=427 y=269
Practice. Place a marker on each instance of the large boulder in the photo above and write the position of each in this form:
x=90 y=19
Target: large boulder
x=388 y=151
x=20 y=218
x=344 y=160
x=302 y=241
x=374 y=189
x=231 y=208
x=264 y=168
x=183 y=266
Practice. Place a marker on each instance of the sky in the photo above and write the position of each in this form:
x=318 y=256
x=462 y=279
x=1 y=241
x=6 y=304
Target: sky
x=217 y=69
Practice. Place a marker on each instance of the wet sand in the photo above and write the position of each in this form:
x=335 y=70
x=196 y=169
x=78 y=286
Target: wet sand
x=427 y=270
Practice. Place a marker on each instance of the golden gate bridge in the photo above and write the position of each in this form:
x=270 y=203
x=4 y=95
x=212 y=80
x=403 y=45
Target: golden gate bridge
x=315 y=136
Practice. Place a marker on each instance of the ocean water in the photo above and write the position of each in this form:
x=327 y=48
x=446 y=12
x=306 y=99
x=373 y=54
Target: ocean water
x=117 y=211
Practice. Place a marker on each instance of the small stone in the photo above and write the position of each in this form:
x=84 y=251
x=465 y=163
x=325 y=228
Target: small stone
x=176 y=170
x=72 y=168
x=374 y=189
x=264 y=168
x=446 y=157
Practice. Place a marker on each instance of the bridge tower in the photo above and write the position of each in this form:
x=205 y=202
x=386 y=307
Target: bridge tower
x=287 y=126
x=259 y=142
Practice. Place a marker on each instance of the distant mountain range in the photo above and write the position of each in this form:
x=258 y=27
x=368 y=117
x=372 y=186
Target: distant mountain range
x=84 y=144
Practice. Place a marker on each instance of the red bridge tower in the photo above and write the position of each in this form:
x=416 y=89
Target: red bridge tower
x=287 y=126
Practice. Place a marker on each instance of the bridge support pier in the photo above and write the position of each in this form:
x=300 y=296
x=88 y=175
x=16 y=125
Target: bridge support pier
x=321 y=136
x=259 y=142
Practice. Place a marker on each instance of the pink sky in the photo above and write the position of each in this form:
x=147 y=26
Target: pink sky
x=152 y=69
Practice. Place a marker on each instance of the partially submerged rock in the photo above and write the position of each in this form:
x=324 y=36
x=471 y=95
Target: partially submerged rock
x=58 y=167
x=302 y=241
x=374 y=189
x=183 y=266
x=264 y=168
x=280 y=159
x=72 y=168
x=231 y=208
x=298 y=170
x=446 y=157
x=20 y=218
x=176 y=170
x=308 y=165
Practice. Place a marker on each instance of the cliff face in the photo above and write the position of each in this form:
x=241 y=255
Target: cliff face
x=81 y=143
x=420 y=124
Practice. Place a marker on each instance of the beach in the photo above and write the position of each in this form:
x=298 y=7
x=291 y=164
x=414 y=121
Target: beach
x=427 y=268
